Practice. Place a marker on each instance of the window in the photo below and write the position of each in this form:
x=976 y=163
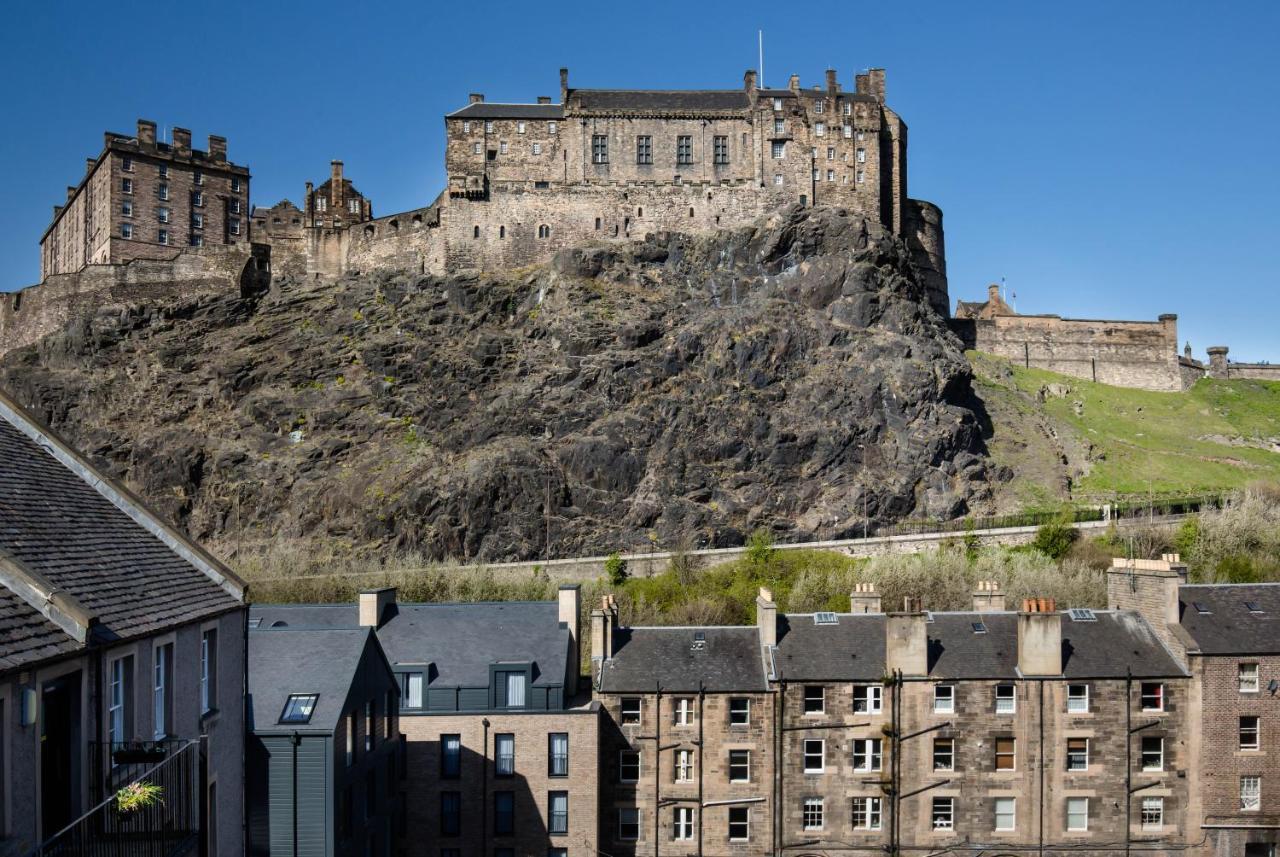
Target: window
x=350 y=739
x=777 y=179
x=831 y=153
x=233 y=205
x=739 y=711
x=1006 y=814
x=1006 y=699
x=197 y=220
x=502 y=147
x=861 y=135
x=558 y=754
x=866 y=813
x=512 y=683
x=779 y=126
x=235 y=184
x=815 y=755
x=683 y=705
x=861 y=156
x=162 y=688
x=944 y=754
x=820 y=129
x=812 y=813
x=1077 y=754
x=162 y=214
x=519 y=127
x=488 y=126
x=450 y=756
x=631 y=708
x=1152 y=753
x=197 y=177
x=410 y=690
x=944 y=698
x=847 y=131
x=504 y=813
x=866 y=698
x=859 y=178
x=1250 y=793
x=1248 y=733
x=551 y=127
x=1248 y=678
x=777 y=104
x=720 y=150
x=599 y=149
x=476 y=148
x=739 y=766
x=126 y=185
x=126 y=208
x=126 y=164
x=944 y=813
x=119 y=697
x=779 y=151
x=451 y=813
x=208 y=670
x=558 y=813
x=831 y=175
x=684 y=766
x=684 y=149
x=739 y=823
x=197 y=199
x=629 y=766
x=537 y=148
x=163 y=171
x=819 y=106
x=1152 y=696
x=504 y=754
x=814 y=698
x=1152 y=813
x=1077 y=698
x=370 y=728
x=628 y=824
x=866 y=754
x=322 y=204
x=644 y=149
x=682 y=823
x=233 y=225
x=466 y=126
x=163 y=191
x=1006 y=754
x=1077 y=813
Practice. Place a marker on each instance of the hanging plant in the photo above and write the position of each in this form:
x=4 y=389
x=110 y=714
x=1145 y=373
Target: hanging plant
x=139 y=795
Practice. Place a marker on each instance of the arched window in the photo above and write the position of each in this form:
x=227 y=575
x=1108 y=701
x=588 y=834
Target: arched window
x=544 y=231
x=475 y=232
x=597 y=224
x=639 y=213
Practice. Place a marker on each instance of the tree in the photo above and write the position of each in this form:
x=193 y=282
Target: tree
x=615 y=568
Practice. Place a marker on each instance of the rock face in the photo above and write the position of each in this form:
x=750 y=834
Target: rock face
x=678 y=391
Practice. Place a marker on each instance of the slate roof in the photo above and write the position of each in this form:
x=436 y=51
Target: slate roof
x=286 y=661
x=491 y=110
x=643 y=657
x=853 y=649
x=460 y=640
x=64 y=523
x=1229 y=628
x=665 y=100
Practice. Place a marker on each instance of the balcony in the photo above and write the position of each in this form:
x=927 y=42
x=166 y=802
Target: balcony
x=148 y=803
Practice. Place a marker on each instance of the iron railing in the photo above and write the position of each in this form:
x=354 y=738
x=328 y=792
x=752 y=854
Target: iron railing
x=168 y=825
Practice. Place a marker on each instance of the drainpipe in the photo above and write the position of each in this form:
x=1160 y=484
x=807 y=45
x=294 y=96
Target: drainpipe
x=484 y=786
x=244 y=721
x=702 y=698
x=779 y=710
x=1128 y=760
x=657 y=767
x=1040 y=718
x=896 y=767
x=295 y=740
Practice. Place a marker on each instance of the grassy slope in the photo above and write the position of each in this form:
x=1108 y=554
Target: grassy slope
x=1215 y=436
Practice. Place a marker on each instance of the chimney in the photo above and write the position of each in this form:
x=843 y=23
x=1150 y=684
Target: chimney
x=862 y=84
x=335 y=185
x=569 y=599
x=182 y=141
x=217 y=148
x=988 y=598
x=993 y=293
x=767 y=617
x=749 y=80
x=875 y=81
x=544 y=99
x=146 y=132
x=793 y=83
x=604 y=621
x=1150 y=588
x=564 y=85
x=864 y=598
x=475 y=98
x=71 y=191
x=1039 y=638
x=375 y=604
x=906 y=640
x=89 y=164
x=1218 y=361
x=57 y=209
x=832 y=85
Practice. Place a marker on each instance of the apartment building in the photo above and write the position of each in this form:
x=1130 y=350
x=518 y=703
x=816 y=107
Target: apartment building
x=121 y=660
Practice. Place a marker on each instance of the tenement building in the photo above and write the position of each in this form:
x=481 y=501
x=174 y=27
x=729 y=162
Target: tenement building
x=142 y=198
x=500 y=745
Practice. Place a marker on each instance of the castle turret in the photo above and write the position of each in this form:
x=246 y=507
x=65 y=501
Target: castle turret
x=1218 y=367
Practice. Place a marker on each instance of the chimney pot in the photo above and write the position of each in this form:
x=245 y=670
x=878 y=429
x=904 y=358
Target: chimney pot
x=544 y=99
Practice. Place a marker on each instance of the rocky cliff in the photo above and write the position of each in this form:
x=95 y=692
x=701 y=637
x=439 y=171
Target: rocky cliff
x=681 y=390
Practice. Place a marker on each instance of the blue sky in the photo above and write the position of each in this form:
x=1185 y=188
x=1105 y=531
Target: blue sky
x=1109 y=159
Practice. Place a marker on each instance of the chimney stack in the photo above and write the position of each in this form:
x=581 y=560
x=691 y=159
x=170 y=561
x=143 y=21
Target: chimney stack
x=564 y=85
x=182 y=142
x=875 y=82
x=335 y=186
x=146 y=133
x=475 y=98
x=749 y=80
x=544 y=99
x=864 y=598
x=604 y=621
x=988 y=598
x=833 y=86
x=1150 y=588
x=1039 y=638
x=569 y=599
x=793 y=83
x=217 y=148
x=71 y=191
x=375 y=604
x=89 y=164
x=767 y=617
x=906 y=640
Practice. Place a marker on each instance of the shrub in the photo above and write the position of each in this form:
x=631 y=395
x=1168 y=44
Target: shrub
x=1055 y=539
x=760 y=548
x=615 y=569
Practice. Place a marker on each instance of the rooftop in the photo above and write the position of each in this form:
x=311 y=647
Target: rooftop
x=685 y=660
x=286 y=661
x=1222 y=618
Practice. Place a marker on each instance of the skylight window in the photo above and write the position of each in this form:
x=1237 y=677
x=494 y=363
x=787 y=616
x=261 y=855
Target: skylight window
x=825 y=618
x=979 y=627
x=299 y=707
x=1253 y=607
x=255 y=622
x=1082 y=614
x=1202 y=609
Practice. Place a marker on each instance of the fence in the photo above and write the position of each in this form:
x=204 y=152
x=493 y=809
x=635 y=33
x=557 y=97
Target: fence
x=167 y=825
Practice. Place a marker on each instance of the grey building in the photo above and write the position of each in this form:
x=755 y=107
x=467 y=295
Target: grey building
x=121 y=660
x=324 y=745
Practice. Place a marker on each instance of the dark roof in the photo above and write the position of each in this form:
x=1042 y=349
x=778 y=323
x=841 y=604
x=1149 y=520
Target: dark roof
x=461 y=640
x=285 y=661
x=1229 y=628
x=645 y=657
x=660 y=100
x=66 y=528
x=490 y=110
x=853 y=649
x=26 y=635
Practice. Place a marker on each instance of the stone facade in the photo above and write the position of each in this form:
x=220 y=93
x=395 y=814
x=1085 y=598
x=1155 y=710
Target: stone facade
x=141 y=198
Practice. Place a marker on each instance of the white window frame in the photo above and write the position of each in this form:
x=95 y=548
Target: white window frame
x=622 y=766
x=162 y=237
x=777 y=104
x=537 y=148
x=118 y=701
x=815 y=747
x=208 y=668
x=162 y=214
x=1006 y=703
x=502 y=147
x=813 y=813
x=996 y=755
x=1248 y=677
x=466 y=126
x=682 y=824
x=162 y=191
x=1152 y=807
x=820 y=129
x=733 y=778
x=746 y=823
x=1142 y=753
x=126 y=164
x=861 y=156
x=684 y=711
x=634 y=813
x=944 y=703
x=477 y=148
x=520 y=127
x=1250 y=793
x=126 y=231
x=1074 y=701
x=872 y=698
x=777 y=179
x=950 y=754
x=233 y=225
x=735 y=711
x=821 y=700
x=1257 y=734
x=126 y=208
x=871 y=751
x=1079 y=802
x=872 y=811
x=126 y=185
x=625 y=716
x=1010 y=812
x=946 y=820
x=684 y=766
x=1088 y=747
x=778 y=149
x=488 y=126
x=161 y=692
x=1142 y=695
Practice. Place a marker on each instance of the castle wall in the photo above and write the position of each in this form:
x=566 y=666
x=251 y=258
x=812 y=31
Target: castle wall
x=1122 y=353
x=924 y=236
x=1254 y=371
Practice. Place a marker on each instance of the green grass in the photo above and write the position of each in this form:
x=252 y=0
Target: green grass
x=1217 y=436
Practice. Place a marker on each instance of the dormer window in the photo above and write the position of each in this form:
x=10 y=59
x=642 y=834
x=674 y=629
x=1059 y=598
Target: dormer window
x=298 y=708
x=511 y=689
